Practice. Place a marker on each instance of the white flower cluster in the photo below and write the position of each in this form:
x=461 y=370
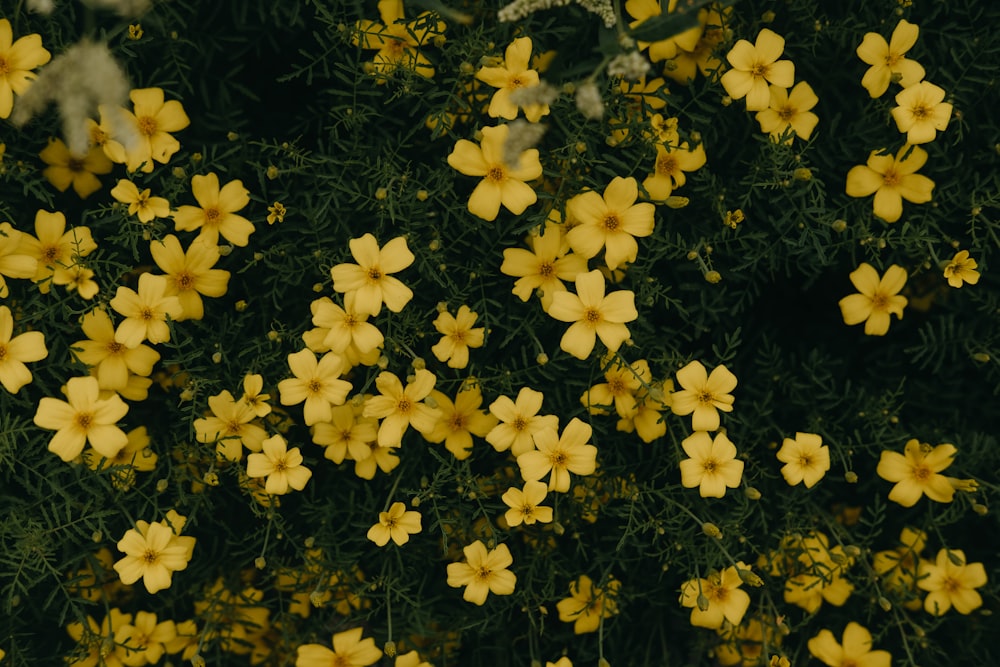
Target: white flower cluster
x=519 y=9
x=631 y=66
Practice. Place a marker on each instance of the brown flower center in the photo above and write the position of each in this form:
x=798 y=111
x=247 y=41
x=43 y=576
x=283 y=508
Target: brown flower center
x=891 y=178
x=922 y=473
x=4 y=66
x=496 y=174
x=3 y=351
x=84 y=420
x=314 y=386
x=146 y=314
x=50 y=254
x=457 y=422
x=611 y=222
x=592 y=316
x=212 y=215
x=705 y=397
x=149 y=556
x=184 y=281
x=519 y=424
x=404 y=406
x=759 y=70
x=666 y=165
x=147 y=126
x=483 y=573
x=710 y=465
x=374 y=274
x=75 y=165
x=545 y=269
x=115 y=348
x=786 y=113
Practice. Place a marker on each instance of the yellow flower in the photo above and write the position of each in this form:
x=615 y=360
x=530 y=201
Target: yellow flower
x=82 y=281
x=229 y=426
x=623 y=383
x=512 y=75
x=215 y=214
x=898 y=568
x=663 y=49
x=100 y=643
x=346 y=435
x=789 y=110
x=134 y=457
x=83 y=417
x=593 y=315
x=345 y=327
x=888 y=59
x=397 y=524
x=152 y=556
x=253 y=396
x=189 y=273
x=317 y=383
x=855 y=651
x=921 y=111
x=151 y=122
x=380 y=458
x=713 y=465
x=806 y=459
x=917 y=472
x=611 y=222
x=398 y=41
x=16 y=261
x=525 y=504
x=588 y=604
x=559 y=455
x=483 y=572
x=112 y=361
x=756 y=65
x=370 y=278
x=502 y=183
x=457 y=336
x=14 y=352
x=519 y=422
x=400 y=407
x=950 y=581
x=878 y=299
x=703 y=395
x=716 y=599
x=17 y=59
x=961 y=269
x=145 y=639
x=892 y=179
x=282 y=467
x=543 y=267
x=65 y=169
x=349 y=649
x=145 y=311
x=460 y=420
x=648 y=422
x=55 y=249
x=669 y=169
x=146 y=207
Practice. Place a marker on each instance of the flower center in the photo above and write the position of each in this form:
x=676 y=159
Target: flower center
x=184 y=281
x=483 y=573
x=666 y=165
x=515 y=82
x=890 y=178
x=519 y=424
x=617 y=387
x=545 y=269
x=921 y=112
x=880 y=301
x=3 y=351
x=951 y=585
x=785 y=113
x=75 y=165
x=611 y=222
x=390 y=522
x=84 y=420
x=496 y=174
x=705 y=397
x=146 y=314
x=50 y=254
x=114 y=348
x=374 y=274
x=559 y=459
x=149 y=556
x=404 y=406
x=592 y=316
x=805 y=461
x=709 y=465
x=233 y=427
x=280 y=465
x=457 y=422
x=212 y=215
x=4 y=67
x=922 y=473
x=315 y=386
x=147 y=126
x=759 y=70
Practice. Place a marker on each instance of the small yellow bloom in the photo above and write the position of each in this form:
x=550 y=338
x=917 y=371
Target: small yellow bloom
x=398 y=41
x=152 y=555
x=717 y=598
x=789 y=110
x=756 y=65
x=855 y=650
x=397 y=524
x=276 y=213
x=16 y=260
x=544 y=267
x=502 y=183
x=513 y=74
x=141 y=204
x=231 y=426
x=189 y=273
x=806 y=459
x=17 y=59
x=65 y=169
x=151 y=121
x=664 y=49
x=878 y=299
x=461 y=420
x=588 y=604
x=593 y=315
x=951 y=581
x=457 y=337
x=703 y=395
x=888 y=59
x=16 y=351
x=84 y=417
x=145 y=311
x=316 y=383
x=669 y=170
x=215 y=214
x=54 y=248
x=520 y=422
x=483 y=572
x=526 y=504
x=961 y=269
x=917 y=472
x=400 y=408
x=559 y=455
x=370 y=278
x=347 y=435
x=610 y=222
x=112 y=360
x=281 y=467
x=891 y=179
x=712 y=466
x=921 y=112
x=253 y=396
